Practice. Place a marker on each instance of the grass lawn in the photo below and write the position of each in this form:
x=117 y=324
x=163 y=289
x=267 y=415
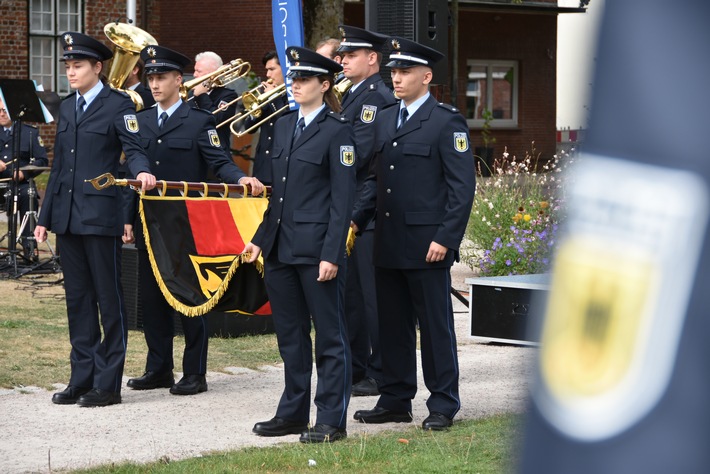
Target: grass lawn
x=34 y=350
x=482 y=446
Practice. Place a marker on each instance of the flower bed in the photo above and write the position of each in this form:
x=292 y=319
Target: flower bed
x=516 y=215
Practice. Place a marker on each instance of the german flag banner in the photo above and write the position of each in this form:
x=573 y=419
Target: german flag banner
x=194 y=245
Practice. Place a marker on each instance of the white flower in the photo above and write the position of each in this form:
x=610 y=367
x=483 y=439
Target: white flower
x=311 y=462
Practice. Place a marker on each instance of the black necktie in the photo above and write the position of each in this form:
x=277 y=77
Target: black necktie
x=163 y=119
x=80 y=107
x=403 y=118
x=8 y=132
x=300 y=125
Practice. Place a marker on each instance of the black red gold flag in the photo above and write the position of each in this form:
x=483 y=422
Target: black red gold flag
x=194 y=245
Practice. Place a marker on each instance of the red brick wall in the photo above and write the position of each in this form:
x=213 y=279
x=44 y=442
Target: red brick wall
x=242 y=29
x=13 y=38
x=229 y=28
x=532 y=41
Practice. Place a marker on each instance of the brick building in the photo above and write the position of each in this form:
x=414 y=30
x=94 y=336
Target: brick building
x=506 y=60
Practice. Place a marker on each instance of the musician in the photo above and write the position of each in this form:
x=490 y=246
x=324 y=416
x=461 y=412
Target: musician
x=32 y=152
x=361 y=55
x=181 y=143
x=303 y=238
x=262 y=157
x=95 y=124
x=214 y=98
x=425 y=182
x=134 y=82
x=328 y=47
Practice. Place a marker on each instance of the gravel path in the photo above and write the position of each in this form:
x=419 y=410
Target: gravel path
x=38 y=436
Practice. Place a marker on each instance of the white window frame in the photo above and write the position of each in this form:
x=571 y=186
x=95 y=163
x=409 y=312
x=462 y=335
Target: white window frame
x=62 y=15
x=489 y=65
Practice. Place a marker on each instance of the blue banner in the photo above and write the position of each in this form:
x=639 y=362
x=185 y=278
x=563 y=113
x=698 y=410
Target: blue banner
x=287 y=23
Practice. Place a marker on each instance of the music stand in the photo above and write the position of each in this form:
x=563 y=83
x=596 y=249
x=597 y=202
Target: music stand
x=23 y=105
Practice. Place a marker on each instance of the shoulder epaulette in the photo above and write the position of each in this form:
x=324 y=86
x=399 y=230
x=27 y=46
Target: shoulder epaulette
x=337 y=116
x=449 y=107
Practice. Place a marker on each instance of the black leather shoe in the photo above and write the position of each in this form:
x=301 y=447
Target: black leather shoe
x=279 y=427
x=322 y=434
x=69 y=395
x=190 y=385
x=151 y=380
x=437 y=422
x=99 y=398
x=366 y=387
x=382 y=415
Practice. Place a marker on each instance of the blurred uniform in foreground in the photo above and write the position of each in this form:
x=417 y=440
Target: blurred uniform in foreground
x=622 y=380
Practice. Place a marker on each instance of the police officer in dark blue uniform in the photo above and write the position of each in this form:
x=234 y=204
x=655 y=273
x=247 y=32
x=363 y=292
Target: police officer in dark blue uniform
x=425 y=182
x=215 y=99
x=32 y=152
x=262 y=156
x=95 y=124
x=181 y=143
x=303 y=238
x=361 y=55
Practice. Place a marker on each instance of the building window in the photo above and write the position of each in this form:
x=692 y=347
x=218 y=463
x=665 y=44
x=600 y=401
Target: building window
x=48 y=20
x=493 y=86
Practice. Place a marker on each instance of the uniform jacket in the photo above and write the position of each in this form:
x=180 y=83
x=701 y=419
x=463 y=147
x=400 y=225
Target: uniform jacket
x=85 y=150
x=425 y=182
x=262 y=156
x=362 y=108
x=31 y=151
x=312 y=192
x=186 y=147
x=210 y=102
x=184 y=150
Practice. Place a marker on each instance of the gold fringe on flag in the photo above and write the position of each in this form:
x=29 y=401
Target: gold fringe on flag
x=179 y=306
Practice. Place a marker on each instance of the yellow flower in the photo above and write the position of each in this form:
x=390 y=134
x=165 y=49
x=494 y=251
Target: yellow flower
x=527 y=218
x=544 y=204
x=517 y=217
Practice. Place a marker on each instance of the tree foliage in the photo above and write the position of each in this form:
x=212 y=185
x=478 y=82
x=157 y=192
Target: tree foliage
x=321 y=19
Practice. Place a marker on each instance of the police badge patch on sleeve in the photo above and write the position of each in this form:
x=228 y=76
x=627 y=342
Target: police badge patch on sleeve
x=367 y=115
x=347 y=155
x=461 y=141
x=214 y=138
x=40 y=142
x=131 y=123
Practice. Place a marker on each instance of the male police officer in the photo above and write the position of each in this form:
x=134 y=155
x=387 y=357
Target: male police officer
x=425 y=179
x=181 y=143
x=361 y=55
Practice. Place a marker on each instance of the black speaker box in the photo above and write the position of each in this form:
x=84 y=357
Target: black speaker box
x=424 y=21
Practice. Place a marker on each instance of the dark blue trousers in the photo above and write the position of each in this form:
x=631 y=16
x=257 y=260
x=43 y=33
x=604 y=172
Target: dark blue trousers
x=405 y=298
x=92 y=282
x=361 y=310
x=159 y=330
x=295 y=297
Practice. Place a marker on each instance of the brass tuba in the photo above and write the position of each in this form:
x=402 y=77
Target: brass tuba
x=129 y=41
x=341 y=87
x=220 y=77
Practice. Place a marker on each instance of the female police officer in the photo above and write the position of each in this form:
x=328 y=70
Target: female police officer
x=95 y=125
x=303 y=239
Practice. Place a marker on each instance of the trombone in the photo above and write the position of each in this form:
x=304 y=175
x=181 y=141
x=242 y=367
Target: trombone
x=220 y=77
x=254 y=101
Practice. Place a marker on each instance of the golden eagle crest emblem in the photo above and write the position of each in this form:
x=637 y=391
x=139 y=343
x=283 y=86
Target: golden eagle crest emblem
x=131 y=123
x=347 y=155
x=214 y=138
